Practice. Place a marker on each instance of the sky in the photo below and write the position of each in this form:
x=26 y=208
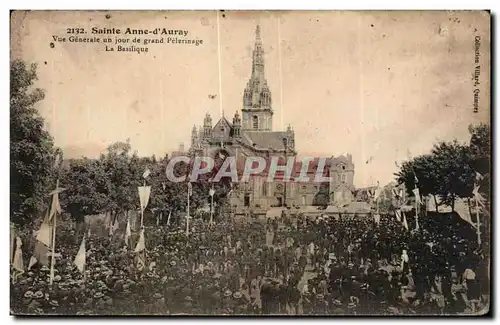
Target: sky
x=382 y=86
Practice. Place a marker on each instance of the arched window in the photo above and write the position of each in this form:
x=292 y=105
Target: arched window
x=255 y=122
x=343 y=178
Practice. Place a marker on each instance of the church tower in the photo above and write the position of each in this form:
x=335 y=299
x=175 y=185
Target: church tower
x=257 y=112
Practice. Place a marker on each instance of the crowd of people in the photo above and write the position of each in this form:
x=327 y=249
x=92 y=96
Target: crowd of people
x=290 y=265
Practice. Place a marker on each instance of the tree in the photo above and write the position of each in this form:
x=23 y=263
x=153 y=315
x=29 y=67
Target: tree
x=453 y=165
x=31 y=146
x=87 y=188
x=447 y=172
x=480 y=146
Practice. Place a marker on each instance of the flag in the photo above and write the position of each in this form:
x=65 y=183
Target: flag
x=163 y=185
x=168 y=219
x=128 y=233
x=397 y=193
x=144 y=192
x=141 y=243
x=211 y=192
x=405 y=223
x=18 y=256
x=190 y=189
x=113 y=226
x=141 y=261
x=44 y=235
x=479 y=177
x=479 y=198
x=416 y=192
x=416 y=179
x=55 y=206
x=88 y=235
x=146 y=173
x=80 y=256
x=32 y=262
x=398 y=215
x=41 y=253
x=376 y=217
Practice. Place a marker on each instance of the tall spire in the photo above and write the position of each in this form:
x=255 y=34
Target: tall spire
x=257 y=92
x=257 y=95
x=258 y=57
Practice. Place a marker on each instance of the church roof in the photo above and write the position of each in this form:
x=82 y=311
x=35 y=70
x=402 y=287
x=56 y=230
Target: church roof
x=265 y=139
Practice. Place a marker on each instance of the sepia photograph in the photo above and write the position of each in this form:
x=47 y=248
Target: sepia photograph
x=250 y=163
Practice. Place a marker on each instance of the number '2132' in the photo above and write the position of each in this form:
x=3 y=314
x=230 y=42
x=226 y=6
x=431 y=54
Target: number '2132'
x=75 y=31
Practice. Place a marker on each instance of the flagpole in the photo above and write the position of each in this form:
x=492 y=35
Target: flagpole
x=142 y=210
x=478 y=223
x=416 y=209
x=187 y=216
x=53 y=257
x=212 y=204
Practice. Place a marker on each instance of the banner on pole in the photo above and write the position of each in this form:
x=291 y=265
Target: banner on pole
x=144 y=192
x=80 y=258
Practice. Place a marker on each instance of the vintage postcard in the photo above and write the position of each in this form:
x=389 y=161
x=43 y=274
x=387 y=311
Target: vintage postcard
x=250 y=163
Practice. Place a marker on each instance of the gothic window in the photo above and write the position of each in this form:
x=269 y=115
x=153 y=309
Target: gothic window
x=303 y=200
x=255 y=122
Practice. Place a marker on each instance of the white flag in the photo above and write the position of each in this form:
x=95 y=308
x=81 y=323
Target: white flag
x=44 y=235
x=479 y=198
x=141 y=263
x=168 y=219
x=144 y=192
x=32 y=262
x=376 y=217
x=398 y=215
x=211 y=192
x=417 y=196
x=141 y=245
x=405 y=223
x=113 y=226
x=147 y=172
x=80 y=256
x=128 y=233
x=55 y=206
x=18 y=256
x=190 y=189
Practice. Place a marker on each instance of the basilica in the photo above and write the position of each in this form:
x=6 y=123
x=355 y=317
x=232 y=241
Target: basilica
x=251 y=134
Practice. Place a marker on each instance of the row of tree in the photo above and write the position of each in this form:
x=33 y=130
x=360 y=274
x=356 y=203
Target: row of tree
x=451 y=170
x=110 y=184
x=106 y=184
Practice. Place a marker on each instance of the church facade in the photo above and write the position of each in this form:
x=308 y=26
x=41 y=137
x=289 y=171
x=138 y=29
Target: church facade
x=251 y=134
